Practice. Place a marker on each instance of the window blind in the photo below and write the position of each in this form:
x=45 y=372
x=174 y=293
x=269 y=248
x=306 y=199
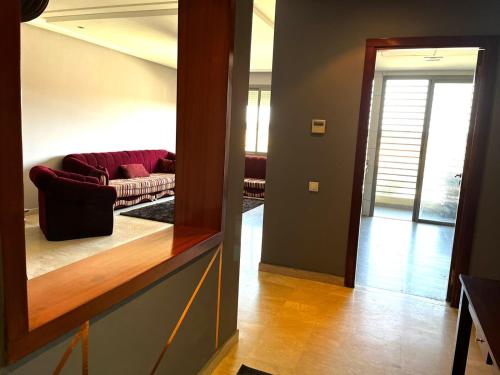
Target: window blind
x=403 y=116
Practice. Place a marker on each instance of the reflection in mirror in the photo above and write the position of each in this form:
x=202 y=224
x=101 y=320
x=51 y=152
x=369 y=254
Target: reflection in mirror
x=98 y=84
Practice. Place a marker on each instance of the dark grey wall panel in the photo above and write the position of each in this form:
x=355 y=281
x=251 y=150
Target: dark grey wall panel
x=44 y=361
x=235 y=169
x=128 y=339
x=317 y=73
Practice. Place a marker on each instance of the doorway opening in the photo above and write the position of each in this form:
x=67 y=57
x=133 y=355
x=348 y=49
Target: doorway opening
x=258 y=116
x=419 y=123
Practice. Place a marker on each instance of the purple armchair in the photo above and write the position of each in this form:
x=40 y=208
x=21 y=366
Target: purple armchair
x=71 y=205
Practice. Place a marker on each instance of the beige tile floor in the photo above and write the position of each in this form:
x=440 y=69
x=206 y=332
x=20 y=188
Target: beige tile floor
x=293 y=326
x=43 y=256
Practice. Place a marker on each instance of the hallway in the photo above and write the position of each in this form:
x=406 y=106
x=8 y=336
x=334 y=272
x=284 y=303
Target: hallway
x=404 y=256
x=290 y=326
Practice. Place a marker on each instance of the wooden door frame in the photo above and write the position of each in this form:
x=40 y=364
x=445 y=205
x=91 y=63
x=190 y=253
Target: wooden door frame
x=475 y=155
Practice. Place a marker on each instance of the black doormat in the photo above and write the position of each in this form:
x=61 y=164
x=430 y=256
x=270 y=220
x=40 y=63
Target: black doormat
x=164 y=212
x=245 y=370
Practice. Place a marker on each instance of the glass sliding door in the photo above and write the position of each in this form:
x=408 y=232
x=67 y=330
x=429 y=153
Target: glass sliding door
x=423 y=132
x=443 y=159
x=402 y=122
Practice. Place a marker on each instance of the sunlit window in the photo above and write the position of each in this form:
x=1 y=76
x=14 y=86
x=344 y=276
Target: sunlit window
x=258 y=118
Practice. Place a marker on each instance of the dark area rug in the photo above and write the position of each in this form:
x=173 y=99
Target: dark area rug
x=250 y=204
x=245 y=370
x=164 y=212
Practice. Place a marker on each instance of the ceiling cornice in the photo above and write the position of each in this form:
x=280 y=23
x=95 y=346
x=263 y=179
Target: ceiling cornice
x=149 y=9
x=111 y=15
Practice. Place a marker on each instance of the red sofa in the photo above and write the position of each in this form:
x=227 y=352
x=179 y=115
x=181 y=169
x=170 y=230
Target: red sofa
x=254 y=185
x=71 y=205
x=106 y=167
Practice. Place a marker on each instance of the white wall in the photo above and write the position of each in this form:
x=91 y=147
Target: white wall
x=78 y=97
x=371 y=152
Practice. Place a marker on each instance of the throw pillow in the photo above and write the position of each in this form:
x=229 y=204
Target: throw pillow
x=133 y=170
x=166 y=166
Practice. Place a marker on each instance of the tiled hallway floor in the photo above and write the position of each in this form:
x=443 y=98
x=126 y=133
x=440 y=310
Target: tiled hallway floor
x=300 y=327
x=404 y=256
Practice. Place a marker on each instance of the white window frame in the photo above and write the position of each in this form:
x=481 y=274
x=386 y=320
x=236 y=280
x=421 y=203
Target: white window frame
x=259 y=89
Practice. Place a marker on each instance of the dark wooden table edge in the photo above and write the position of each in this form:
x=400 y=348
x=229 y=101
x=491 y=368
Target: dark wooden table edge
x=44 y=334
x=465 y=293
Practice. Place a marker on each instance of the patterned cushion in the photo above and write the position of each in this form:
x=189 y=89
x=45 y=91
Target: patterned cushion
x=134 y=170
x=127 y=202
x=254 y=187
x=166 y=166
x=254 y=194
x=255 y=183
x=132 y=187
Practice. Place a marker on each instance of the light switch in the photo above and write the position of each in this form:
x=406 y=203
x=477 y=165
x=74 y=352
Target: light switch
x=318 y=126
x=314 y=186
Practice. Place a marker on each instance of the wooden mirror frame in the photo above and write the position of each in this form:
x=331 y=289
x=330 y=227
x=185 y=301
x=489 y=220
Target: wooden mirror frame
x=203 y=105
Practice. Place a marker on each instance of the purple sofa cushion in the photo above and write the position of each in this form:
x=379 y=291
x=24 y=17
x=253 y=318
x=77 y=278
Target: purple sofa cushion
x=166 y=166
x=113 y=160
x=134 y=171
x=255 y=167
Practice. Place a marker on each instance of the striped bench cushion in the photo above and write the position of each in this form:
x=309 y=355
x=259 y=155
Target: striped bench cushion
x=132 y=187
x=255 y=183
x=254 y=187
x=127 y=202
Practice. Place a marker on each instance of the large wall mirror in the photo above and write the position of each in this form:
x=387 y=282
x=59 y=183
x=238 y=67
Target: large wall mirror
x=115 y=153
x=99 y=87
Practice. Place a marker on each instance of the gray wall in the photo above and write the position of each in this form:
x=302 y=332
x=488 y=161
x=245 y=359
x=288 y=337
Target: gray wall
x=317 y=72
x=128 y=338
x=235 y=168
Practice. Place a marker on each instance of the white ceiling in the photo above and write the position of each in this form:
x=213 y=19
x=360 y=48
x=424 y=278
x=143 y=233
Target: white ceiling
x=427 y=59
x=145 y=28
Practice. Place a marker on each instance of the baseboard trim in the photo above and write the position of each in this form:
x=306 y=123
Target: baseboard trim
x=302 y=274
x=219 y=355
